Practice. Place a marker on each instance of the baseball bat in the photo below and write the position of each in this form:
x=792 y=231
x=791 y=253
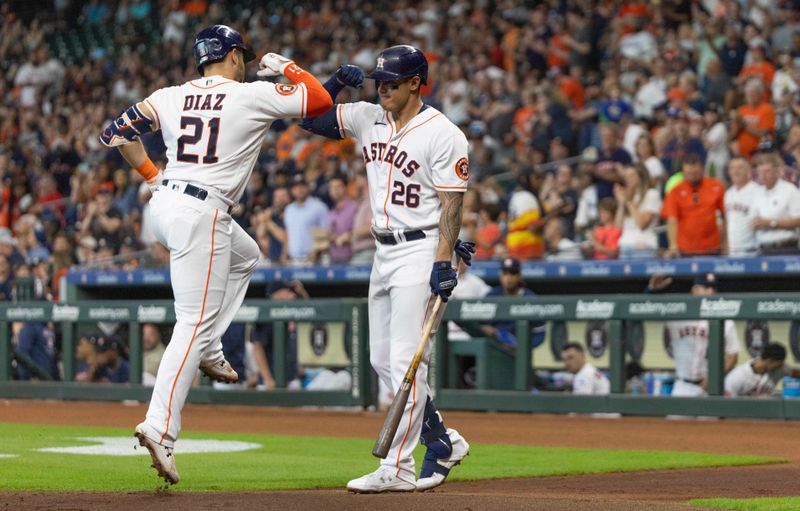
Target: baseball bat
x=384 y=441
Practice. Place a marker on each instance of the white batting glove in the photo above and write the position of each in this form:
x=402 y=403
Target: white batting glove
x=154 y=183
x=273 y=64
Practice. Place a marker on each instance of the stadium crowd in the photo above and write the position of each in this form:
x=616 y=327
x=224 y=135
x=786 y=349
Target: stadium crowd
x=598 y=129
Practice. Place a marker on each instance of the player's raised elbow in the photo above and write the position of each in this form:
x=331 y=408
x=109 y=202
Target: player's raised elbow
x=319 y=102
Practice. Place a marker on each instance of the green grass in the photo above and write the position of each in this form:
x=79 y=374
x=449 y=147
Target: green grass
x=759 y=504
x=286 y=462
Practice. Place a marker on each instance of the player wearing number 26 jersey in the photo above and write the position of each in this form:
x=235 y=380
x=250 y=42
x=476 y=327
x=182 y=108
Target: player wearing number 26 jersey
x=417 y=169
x=213 y=127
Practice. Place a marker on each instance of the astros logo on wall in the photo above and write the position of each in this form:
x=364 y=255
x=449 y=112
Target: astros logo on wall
x=285 y=89
x=462 y=169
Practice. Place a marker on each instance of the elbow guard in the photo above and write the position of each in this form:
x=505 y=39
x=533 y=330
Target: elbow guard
x=326 y=125
x=126 y=128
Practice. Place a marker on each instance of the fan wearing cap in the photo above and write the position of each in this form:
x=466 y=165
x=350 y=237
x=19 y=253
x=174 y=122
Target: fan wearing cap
x=689 y=340
x=760 y=376
x=213 y=127
x=512 y=284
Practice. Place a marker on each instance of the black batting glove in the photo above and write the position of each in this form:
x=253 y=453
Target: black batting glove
x=443 y=279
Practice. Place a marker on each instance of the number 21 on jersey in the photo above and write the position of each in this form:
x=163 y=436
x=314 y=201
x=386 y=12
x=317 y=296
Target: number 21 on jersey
x=192 y=128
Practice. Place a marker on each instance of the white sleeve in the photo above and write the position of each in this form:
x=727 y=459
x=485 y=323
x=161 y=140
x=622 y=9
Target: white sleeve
x=731 y=338
x=157 y=102
x=794 y=204
x=279 y=100
x=355 y=118
x=652 y=202
x=450 y=162
x=733 y=382
x=581 y=386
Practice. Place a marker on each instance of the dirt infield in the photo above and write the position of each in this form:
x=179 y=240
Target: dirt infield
x=657 y=490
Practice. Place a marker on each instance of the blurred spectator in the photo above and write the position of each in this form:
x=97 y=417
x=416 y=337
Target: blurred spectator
x=263 y=343
x=759 y=376
x=715 y=139
x=525 y=220
x=103 y=221
x=610 y=160
x=638 y=206
x=34 y=344
x=691 y=209
x=512 y=284
x=363 y=244
x=561 y=199
x=271 y=229
x=754 y=120
x=304 y=218
x=682 y=144
x=758 y=67
x=689 y=340
x=587 y=379
x=559 y=247
x=586 y=215
x=341 y=220
x=646 y=155
x=604 y=242
x=776 y=210
x=489 y=236
x=6 y=279
x=740 y=202
x=152 y=353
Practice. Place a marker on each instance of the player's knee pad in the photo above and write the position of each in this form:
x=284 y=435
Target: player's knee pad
x=130 y=125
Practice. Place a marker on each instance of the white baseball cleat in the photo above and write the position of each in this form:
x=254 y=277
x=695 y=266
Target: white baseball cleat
x=441 y=469
x=163 y=460
x=221 y=372
x=385 y=479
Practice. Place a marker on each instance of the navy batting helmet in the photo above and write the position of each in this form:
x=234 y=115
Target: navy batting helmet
x=214 y=42
x=398 y=62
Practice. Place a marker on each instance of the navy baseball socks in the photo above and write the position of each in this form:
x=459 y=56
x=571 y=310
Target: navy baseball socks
x=445 y=449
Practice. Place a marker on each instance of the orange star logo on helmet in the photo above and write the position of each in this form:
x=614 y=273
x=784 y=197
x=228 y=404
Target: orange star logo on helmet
x=462 y=169
x=285 y=89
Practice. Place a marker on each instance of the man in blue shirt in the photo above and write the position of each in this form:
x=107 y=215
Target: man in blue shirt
x=302 y=217
x=112 y=366
x=512 y=284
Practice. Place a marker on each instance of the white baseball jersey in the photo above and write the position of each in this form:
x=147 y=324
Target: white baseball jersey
x=406 y=168
x=781 y=201
x=194 y=119
x=743 y=381
x=690 y=345
x=739 y=209
x=590 y=381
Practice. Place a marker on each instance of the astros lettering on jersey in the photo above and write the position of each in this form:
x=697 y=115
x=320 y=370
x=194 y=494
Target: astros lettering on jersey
x=406 y=169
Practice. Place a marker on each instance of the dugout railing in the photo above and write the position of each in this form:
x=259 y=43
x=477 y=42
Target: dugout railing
x=71 y=316
x=613 y=309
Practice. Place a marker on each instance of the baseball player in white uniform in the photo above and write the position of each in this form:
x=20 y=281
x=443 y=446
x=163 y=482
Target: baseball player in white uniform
x=587 y=379
x=760 y=376
x=740 y=199
x=690 y=345
x=213 y=129
x=417 y=169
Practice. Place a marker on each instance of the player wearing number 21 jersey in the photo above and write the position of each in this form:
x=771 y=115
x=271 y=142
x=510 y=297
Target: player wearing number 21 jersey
x=213 y=127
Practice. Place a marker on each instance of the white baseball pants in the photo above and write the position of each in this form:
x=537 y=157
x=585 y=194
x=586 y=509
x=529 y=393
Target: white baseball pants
x=211 y=261
x=399 y=292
